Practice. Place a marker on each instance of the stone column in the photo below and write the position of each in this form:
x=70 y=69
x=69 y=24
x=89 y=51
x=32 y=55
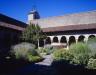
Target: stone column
x=51 y=38
x=76 y=40
x=86 y=38
x=67 y=43
x=59 y=38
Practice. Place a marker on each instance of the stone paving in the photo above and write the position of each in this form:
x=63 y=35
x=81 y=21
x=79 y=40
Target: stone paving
x=47 y=61
x=27 y=70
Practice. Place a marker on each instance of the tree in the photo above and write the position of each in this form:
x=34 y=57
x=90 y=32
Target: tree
x=33 y=33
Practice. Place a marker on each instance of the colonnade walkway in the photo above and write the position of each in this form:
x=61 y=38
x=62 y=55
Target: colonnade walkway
x=33 y=69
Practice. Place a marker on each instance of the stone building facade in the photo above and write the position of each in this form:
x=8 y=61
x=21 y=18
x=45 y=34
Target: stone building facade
x=66 y=29
x=61 y=30
x=10 y=32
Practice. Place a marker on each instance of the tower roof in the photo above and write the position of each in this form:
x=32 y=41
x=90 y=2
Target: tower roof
x=32 y=12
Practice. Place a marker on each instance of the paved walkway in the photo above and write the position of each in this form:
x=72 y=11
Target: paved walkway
x=27 y=70
x=47 y=60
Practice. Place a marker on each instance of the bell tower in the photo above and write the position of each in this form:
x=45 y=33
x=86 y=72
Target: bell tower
x=33 y=14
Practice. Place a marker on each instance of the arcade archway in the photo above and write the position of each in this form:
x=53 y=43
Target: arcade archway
x=91 y=36
x=72 y=40
x=48 y=40
x=55 y=39
x=81 y=38
x=63 y=39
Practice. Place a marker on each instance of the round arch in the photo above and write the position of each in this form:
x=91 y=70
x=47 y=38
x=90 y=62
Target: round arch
x=81 y=38
x=63 y=39
x=6 y=42
x=48 y=40
x=91 y=36
x=72 y=40
x=55 y=39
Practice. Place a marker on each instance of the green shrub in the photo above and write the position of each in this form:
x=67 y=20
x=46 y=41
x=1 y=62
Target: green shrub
x=81 y=59
x=79 y=48
x=92 y=64
x=33 y=58
x=44 y=50
x=32 y=45
x=62 y=54
x=23 y=50
x=92 y=46
x=91 y=40
x=81 y=53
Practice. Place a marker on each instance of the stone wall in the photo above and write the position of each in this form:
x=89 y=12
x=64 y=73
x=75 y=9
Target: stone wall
x=70 y=19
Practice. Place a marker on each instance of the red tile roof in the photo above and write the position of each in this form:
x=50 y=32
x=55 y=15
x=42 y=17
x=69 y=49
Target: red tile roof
x=70 y=28
x=32 y=12
x=18 y=25
x=9 y=22
x=11 y=26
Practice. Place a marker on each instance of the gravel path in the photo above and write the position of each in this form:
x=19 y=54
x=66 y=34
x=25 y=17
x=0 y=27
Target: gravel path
x=27 y=70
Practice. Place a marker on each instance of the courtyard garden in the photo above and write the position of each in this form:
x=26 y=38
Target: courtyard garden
x=79 y=53
x=80 y=57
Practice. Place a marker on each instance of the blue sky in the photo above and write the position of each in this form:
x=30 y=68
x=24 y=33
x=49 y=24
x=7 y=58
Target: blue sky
x=19 y=9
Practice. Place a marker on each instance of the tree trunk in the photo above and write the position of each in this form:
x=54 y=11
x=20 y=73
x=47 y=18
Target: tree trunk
x=38 y=43
x=44 y=41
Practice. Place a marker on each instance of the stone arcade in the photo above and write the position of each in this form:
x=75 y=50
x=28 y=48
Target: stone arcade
x=61 y=30
x=66 y=29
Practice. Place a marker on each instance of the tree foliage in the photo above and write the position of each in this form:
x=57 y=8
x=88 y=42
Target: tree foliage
x=33 y=32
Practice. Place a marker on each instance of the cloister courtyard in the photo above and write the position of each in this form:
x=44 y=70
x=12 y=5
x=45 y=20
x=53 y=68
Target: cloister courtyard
x=60 y=45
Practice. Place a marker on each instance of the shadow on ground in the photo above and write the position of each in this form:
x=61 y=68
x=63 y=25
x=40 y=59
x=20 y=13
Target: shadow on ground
x=21 y=67
x=63 y=68
x=10 y=65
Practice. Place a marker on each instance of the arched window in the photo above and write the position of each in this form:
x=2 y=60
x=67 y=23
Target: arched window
x=63 y=39
x=55 y=39
x=72 y=40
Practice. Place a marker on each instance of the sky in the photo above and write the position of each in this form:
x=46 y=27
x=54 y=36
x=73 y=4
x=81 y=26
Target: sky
x=19 y=9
